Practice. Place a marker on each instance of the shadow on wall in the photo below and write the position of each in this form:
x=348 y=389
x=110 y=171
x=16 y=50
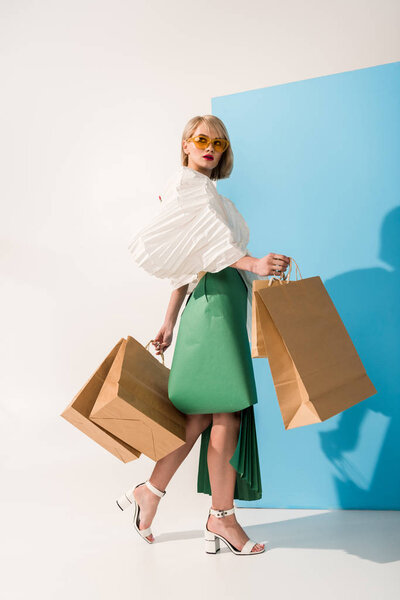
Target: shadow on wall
x=368 y=301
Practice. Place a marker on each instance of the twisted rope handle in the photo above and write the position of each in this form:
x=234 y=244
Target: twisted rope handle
x=286 y=278
x=161 y=351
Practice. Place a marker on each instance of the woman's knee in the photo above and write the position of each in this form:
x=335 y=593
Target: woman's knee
x=196 y=424
x=227 y=418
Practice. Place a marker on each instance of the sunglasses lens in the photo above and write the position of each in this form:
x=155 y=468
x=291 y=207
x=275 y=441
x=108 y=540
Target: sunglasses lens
x=200 y=141
x=220 y=145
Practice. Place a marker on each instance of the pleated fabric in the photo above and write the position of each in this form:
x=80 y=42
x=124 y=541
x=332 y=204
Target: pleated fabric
x=212 y=372
x=196 y=230
x=245 y=460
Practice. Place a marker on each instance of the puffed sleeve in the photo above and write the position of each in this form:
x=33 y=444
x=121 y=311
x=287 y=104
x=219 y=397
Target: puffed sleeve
x=196 y=229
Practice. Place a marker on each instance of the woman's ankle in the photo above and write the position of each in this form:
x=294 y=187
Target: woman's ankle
x=160 y=488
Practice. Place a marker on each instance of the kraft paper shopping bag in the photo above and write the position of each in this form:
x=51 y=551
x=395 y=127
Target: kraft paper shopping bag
x=316 y=370
x=78 y=411
x=133 y=403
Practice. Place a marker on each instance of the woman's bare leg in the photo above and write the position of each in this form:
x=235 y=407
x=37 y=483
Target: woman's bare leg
x=165 y=468
x=222 y=444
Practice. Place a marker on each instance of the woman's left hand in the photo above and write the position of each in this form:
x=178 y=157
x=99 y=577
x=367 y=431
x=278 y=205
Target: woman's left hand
x=163 y=339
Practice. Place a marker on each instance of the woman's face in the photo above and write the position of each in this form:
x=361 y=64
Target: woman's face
x=196 y=156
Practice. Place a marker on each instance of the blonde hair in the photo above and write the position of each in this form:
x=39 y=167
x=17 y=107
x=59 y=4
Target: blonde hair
x=225 y=165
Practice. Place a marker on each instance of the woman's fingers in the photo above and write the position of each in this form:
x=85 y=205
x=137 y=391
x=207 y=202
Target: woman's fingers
x=282 y=258
x=157 y=343
x=160 y=346
x=281 y=261
x=162 y=340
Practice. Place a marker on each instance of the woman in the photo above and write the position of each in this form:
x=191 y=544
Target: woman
x=199 y=241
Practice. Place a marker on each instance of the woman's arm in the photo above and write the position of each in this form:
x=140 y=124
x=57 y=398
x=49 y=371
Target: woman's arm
x=174 y=306
x=163 y=338
x=267 y=265
x=246 y=263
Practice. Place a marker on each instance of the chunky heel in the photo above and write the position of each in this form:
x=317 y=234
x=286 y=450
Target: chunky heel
x=212 y=540
x=128 y=499
x=125 y=501
x=212 y=544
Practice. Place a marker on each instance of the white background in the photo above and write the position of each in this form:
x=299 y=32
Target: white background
x=94 y=98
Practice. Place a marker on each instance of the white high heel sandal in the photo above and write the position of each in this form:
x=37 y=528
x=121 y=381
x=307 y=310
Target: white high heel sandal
x=212 y=540
x=127 y=499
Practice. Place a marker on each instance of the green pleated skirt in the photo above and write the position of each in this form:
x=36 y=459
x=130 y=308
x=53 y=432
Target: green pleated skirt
x=212 y=372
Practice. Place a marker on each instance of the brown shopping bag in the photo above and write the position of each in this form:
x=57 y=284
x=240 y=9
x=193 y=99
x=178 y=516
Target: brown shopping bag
x=133 y=402
x=315 y=367
x=78 y=411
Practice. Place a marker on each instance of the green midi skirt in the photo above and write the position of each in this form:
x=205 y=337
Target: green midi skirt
x=212 y=372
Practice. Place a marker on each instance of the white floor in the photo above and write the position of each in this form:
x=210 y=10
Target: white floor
x=63 y=537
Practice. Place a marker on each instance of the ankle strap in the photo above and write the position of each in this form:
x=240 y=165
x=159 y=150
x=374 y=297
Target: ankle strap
x=222 y=513
x=154 y=489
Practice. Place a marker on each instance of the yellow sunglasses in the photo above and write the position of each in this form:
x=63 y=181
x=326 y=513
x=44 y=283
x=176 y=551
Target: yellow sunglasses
x=202 y=141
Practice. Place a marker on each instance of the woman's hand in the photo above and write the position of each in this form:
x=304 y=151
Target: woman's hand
x=163 y=338
x=272 y=264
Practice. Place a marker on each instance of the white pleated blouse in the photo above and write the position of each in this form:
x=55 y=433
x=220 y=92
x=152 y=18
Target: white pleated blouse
x=196 y=229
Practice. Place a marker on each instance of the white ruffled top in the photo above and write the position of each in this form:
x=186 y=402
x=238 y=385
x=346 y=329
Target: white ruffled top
x=196 y=229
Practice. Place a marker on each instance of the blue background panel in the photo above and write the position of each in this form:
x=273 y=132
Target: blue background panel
x=317 y=177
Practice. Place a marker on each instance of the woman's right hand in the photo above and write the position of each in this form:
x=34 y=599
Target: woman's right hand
x=163 y=338
x=272 y=264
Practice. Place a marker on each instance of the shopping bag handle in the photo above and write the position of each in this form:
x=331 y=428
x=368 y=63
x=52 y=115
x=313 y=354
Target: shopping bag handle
x=161 y=350
x=286 y=278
